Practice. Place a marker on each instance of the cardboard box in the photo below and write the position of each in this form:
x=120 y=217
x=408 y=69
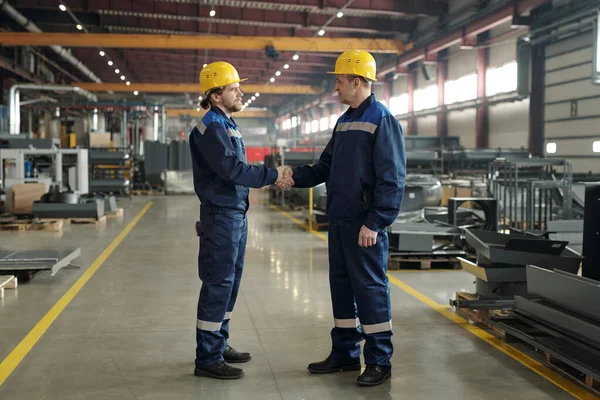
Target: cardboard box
x=100 y=139
x=23 y=196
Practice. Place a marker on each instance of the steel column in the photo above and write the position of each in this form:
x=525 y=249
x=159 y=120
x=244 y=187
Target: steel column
x=410 y=129
x=536 y=101
x=482 y=128
x=442 y=117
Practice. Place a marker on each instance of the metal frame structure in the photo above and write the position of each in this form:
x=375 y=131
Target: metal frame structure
x=528 y=187
x=17 y=156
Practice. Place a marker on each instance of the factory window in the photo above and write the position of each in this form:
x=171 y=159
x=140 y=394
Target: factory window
x=307 y=128
x=426 y=98
x=461 y=89
x=288 y=124
x=551 y=148
x=294 y=122
x=332 y=121
x=596 y=146
x=314 y=126
x=501 y=80
x=323 y=124
x=399 y=104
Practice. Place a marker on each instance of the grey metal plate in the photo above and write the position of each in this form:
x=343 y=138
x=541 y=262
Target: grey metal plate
x=566 y=290
x=52 y=260
x=491 y=245
x=561 y=319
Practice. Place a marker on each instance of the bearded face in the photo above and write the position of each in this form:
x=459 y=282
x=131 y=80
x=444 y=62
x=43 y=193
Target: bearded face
x=231 y=98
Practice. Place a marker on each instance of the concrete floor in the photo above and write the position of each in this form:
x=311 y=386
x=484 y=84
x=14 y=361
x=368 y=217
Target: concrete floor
x=129 y=333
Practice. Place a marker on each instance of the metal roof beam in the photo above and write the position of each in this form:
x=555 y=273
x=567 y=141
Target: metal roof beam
x=389 y=8
x=193 y=87
x=258 y=43
x=177 y=112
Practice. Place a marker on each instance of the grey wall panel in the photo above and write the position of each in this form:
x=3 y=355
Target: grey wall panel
x=503 y=53
x=509 y=125
x=585 y=108
x=379 y=92
x=461 y=64
x=427 y=126
x=462 y=124
x=404 y=125
x=422 y=82
x=400 y=85
x=572 y=90
x=576 y=146
x=569 y=44
x=569 y=74
x=576 y=127
x=584 y=165
x=571 y=58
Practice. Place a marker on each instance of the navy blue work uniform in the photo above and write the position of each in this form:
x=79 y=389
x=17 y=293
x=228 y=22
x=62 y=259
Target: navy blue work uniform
x=364 y=165
x=221 y=181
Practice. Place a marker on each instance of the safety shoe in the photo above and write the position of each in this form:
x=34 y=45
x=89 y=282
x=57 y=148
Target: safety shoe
x=374 y=375
x=219 y=370
x=231 y=355
x=332 y=365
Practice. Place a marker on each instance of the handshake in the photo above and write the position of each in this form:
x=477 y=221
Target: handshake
x=284 y=178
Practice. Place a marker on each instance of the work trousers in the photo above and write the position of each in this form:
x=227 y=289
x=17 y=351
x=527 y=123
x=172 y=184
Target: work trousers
x=360 y=295
x=220 y=264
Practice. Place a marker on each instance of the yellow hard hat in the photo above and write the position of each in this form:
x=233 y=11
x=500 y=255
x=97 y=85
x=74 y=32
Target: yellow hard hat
x=218 y=74
x=356 y=62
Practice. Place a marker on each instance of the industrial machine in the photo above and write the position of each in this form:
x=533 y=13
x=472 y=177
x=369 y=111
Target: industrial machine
x=65 y=168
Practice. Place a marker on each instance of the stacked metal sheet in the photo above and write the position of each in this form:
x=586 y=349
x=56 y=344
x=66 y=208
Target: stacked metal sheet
x=559 y=315
x=501 y=261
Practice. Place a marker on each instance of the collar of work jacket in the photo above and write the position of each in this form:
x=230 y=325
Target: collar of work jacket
x=358 y=111
x=229 y=121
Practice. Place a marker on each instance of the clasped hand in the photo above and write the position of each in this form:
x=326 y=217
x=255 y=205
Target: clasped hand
x=284 y=178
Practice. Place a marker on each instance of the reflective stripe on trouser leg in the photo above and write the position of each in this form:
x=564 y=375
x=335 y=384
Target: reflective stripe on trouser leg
x=216 y=267
x=239 y=267
x=367 y=268
x=346 y=334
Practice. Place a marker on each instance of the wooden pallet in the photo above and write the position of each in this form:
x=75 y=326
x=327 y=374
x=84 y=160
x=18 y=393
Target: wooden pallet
x=90 y=221
x=118 y=213
x=29 y=225
x=480 y=316
x=7 y=282
x=573 y=373
x=398 y=262
x=570 y=372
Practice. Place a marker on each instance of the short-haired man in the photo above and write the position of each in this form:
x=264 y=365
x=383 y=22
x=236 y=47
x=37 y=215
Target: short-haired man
x=364 y=165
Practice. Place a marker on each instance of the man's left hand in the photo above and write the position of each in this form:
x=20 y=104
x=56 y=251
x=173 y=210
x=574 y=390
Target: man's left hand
x=367 y=237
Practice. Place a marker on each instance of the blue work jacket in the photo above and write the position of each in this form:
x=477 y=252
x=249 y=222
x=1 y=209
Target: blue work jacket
x=221 y=175
x=363 y=165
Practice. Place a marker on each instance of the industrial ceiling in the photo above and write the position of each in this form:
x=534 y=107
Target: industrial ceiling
x=284 y=47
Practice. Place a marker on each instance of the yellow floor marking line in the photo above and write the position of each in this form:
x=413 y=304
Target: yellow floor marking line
x=24 y=347
x=537 y=367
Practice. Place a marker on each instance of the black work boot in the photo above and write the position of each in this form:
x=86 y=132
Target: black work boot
x=332 y=365
x=219 y=370
x=231 y=355
x=374 y=375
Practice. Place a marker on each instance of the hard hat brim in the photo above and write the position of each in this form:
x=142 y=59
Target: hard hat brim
x=342 y=73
